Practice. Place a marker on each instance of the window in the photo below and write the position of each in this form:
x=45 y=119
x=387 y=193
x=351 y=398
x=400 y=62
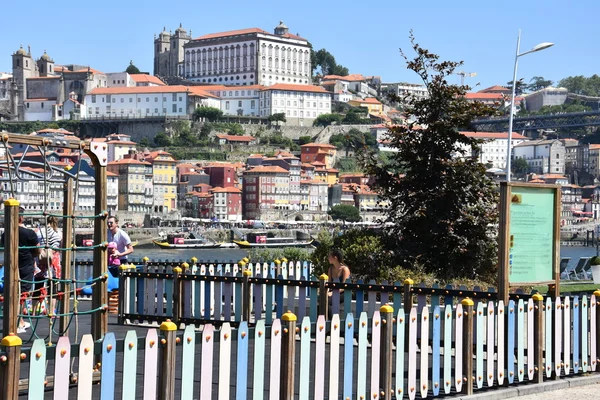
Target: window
x=174 y=107
x=174 y=97
x=156 y=99
x=147 y=99
x=227 y=105
x=122 y=100
x=180 y=98
x=156 y=111
x=147 y=111
x=240 y=103
x=131 y=100
x=252 y=104
x=93 y=98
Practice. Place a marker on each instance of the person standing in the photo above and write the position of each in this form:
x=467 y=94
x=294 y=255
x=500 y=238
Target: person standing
x=121 y=238
x=27 y=238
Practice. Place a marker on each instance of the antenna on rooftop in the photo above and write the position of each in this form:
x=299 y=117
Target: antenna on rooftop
x=464 y=74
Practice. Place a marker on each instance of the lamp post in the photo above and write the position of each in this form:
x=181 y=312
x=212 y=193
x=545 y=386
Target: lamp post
x=539 y=47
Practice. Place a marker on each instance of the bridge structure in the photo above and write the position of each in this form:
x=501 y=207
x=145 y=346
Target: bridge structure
x=535 y=122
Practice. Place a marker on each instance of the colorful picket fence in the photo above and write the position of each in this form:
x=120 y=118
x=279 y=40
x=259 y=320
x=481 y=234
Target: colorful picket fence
x=440 y=350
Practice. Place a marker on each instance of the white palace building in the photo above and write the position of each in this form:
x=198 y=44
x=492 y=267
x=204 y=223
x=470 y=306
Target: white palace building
x=241 y=57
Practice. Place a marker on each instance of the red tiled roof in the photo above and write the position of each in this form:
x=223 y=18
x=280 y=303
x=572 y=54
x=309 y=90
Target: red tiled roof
x=267 y=169
x=128 y=161
x=141 y=89
x=495 y=88
x=139 y=78
x=244 y=32
x=234 y=138
x=488 y=96
x=351 y=77
x=296 y=88
x=494 y=135
x=368 y=100
x=226 y=190
x=92 y=70
x=322 y=145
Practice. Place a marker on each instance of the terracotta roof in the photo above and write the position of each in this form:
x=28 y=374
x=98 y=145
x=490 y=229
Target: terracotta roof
x=44 y=77
x=552 y=176
x=108 y=173
x=351 y=77
x=488 y=96
x=234 y=138
x=296 y=88
x=115 y=142
x=198 y=194
x=141 y=89
x=267 y=169
x=495 y=88
x=494 y=135
x=92 y=70
x=226 y=190
x=307 y=165
x=245 y=32
x=60 y=130
x=594 y=146
x=322 y=145
x=368 y=100
x=128 y=161
x=537 y=181
x=255 y=156
x=139 y=78
x=318 y=164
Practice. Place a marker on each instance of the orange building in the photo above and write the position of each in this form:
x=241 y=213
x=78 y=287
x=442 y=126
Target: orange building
x=320 y=152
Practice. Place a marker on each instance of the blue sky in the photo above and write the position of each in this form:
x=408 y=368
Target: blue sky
x=363 y=36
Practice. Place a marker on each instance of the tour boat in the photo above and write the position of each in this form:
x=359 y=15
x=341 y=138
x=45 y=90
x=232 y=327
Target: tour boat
x=260 y=240
x=180 y=241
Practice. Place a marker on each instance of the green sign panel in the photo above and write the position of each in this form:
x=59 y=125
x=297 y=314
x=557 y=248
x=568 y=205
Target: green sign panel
x=531 y=234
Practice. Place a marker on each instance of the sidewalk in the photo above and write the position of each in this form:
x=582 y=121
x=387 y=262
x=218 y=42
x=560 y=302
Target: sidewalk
x=580 y=388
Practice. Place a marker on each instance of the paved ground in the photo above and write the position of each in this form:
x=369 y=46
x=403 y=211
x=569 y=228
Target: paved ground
x=579 y=388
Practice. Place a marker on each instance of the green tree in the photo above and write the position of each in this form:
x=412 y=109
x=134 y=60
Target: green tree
x=132 y=69
x=581 y=85
x=144 y=142
x=162 y=140
x=520 y=87
x=304 y=140
x=443 y=208
x=537 y=83
x=210 y=113
x=327 y=119
x=344 y=212
x=520 y=166
x=277 y=118
x=323 y=63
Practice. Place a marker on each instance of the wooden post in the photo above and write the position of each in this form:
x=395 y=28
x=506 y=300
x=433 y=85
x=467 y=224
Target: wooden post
x=288 y=352
x=468 y=346
x=246 y=295
x=122 y=297
x=176 y=294
x=166 y=375
x=100 y=292
x=538 y=338
x=408 y=296
x=10 y=369
x=503 y=242
x=385 y=371
x=11 y=267
x=67 y=257
x=323 y=296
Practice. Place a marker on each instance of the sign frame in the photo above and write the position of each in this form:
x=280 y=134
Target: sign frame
x=504 y=238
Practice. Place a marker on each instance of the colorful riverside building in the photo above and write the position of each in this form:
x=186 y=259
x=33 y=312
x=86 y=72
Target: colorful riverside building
x=324 y=153
x=135 y=184
x=266 y=192
x=164 y=177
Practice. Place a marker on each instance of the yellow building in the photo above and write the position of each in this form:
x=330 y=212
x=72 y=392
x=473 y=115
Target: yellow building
x=119 y=146
x=373 y=105
x=164 y=178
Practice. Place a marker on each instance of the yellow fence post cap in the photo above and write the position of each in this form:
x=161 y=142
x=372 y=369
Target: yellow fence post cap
x=409 y=281
x=185 y=265
x=177 y=270
x=386 y=308
x=11 y=202
x=145 y=259
x=467 y=302
x=289 y=316
x=11 y=340
x=168 y=326
x=247 y=272
x=537 y=297
x=323 y=277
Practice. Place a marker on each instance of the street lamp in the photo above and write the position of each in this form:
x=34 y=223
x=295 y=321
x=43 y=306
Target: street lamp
x=539 y=47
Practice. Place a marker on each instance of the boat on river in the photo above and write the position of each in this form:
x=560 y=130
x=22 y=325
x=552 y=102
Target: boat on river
x=261 y=240
x=188 y=241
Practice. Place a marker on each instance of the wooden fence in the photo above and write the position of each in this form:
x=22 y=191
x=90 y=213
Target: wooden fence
x=441 y=350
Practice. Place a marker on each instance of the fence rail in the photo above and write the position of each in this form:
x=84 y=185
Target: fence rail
x=444 y=349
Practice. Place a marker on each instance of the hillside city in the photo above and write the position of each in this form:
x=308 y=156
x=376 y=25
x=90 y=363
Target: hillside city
x=283 y=133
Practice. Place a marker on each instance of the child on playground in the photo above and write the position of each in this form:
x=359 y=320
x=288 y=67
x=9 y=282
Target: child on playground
x=113 y=261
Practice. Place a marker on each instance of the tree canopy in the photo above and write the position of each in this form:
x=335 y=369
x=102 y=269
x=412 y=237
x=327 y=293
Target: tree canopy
x=323 y=63
x=582 y=85
x=210 y=113
x=277 y=117
x=327 y=119
x=344 y=212
x=132 y=69
x=354 y=139
x=442 y=206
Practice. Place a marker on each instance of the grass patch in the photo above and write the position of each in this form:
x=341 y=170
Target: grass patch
x=571 y=287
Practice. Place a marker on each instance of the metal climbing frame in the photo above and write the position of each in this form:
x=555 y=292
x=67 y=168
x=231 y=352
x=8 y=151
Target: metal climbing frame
x=97 y=152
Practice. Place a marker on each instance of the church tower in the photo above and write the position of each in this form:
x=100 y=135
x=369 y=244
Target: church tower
x=162 y=47
x=23 y=68
x=281 y=29
x=45 y=65
x=178 y=40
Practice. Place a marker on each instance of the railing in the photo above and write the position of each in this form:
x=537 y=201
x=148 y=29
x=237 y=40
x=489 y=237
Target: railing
x=441 y=350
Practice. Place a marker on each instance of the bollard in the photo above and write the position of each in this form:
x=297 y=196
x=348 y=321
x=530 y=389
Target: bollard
x=246 y=295
x=385 y=372
x=468 y=345
x=10 y=368
x=538 y=338
x=323 y=296
x=176 y=294
x=288 y=351
x=166 y=376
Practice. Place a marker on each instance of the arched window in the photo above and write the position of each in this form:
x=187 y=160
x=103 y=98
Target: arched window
x=289 y=65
